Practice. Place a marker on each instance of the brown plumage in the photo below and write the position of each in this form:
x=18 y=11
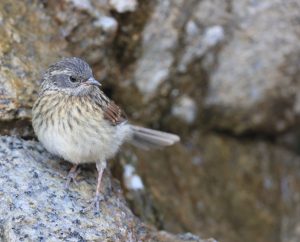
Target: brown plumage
x=114 y=114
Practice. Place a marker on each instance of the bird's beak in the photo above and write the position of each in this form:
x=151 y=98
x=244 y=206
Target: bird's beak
x=92 y=81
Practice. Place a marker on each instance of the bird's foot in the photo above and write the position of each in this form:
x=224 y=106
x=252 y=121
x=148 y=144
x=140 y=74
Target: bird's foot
x=95 y=204
x=71 y=177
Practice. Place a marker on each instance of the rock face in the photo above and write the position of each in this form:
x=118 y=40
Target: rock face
x=227 y=184
x=29 y=42
x=240 y=82
x=254 y=86
x=36 y=207
x=224 y=75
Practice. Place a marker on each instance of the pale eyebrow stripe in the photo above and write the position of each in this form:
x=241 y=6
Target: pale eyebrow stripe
x=56 y=72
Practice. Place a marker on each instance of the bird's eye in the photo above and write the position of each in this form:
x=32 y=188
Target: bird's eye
x=72 y=79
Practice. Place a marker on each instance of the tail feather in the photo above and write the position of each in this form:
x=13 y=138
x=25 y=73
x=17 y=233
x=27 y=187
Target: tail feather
x=150 y=139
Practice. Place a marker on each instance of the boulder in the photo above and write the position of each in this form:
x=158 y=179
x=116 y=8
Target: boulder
x=222 y=187
x=29 y=43
x=254 y=85
x=36 y=207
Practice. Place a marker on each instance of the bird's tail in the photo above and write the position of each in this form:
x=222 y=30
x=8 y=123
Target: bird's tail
x=149 y=138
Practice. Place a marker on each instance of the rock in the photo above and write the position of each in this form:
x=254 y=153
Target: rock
x=254 y=85
x=188 y=237
x=229 y=67
x=223 y=186
x=131 y=180
x=158 y=44
x=198 y=45
x=108 y=24
x=88 y=27
x=185 y=109
x=213 y=35
x=36 y=35
x=204 y=33
x=36 y=207
x=122 y=6
x=29 y=43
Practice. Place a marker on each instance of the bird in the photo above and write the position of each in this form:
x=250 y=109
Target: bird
x=74 y=120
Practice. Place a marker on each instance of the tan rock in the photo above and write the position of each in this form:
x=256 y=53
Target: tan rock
x=219 y=185
x=29 y=43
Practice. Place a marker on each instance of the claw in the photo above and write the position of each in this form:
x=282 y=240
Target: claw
x=71 y=177
x=94 y=204
x=98 y=198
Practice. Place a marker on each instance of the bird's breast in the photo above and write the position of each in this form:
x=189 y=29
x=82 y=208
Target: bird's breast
x=74 y=128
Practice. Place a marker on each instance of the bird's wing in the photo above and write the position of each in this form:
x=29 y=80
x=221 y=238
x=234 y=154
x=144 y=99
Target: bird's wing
x=113 y=113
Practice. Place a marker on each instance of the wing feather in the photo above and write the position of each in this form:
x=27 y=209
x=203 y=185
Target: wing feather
x=114 y=114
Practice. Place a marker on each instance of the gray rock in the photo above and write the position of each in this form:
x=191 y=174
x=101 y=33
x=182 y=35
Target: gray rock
x=185 y=109
x=158 y=44
x=204 y=33
x=122 y=6
x=108 y=24
x=83 y=4
x=36 y=207
x=236 y=62
x=254 y=86
x=87 y=25
x=199 y=44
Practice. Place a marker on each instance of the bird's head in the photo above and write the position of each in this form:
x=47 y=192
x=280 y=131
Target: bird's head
x=72 y=76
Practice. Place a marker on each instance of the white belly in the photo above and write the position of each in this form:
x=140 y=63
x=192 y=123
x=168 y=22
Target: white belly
x=91 y=141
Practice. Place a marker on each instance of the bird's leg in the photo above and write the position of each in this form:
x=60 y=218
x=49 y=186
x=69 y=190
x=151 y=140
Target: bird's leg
x=98 y=197
x=73 y=173
x=100 y=168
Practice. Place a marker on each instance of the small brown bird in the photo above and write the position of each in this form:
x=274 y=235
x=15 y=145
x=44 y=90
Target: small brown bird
x=75 y=120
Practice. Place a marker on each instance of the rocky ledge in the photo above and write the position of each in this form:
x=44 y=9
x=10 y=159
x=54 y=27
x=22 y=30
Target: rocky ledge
x=36 y=207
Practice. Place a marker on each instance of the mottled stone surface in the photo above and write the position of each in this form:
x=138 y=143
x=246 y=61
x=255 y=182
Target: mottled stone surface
x=218 y=52
x=29 y=43
x=88 y=27
x=122 y=6
x=36 y=207
x=196 y=68
x=255 y=85
x=230 y=189
x=159 y=45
